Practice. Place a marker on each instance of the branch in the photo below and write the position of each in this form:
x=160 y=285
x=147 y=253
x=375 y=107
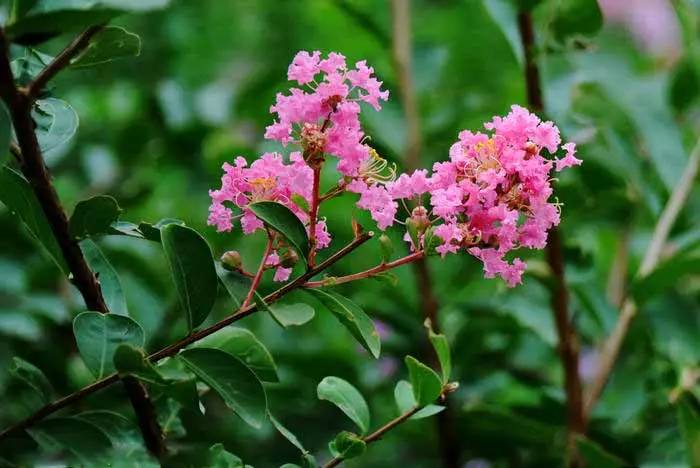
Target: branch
x=34 y=169
x=313 y=212
x=367 y=273
x=61 y=61
x=188 y=340
x=258 y=275
x=568 y=339
x=611 y=348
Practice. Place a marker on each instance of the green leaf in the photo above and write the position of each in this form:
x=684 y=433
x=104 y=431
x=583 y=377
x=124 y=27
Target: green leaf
x=110 y=284
x=32 y=376
x=122 y=432
x=79 y=437
x=287 y=434
x=94 y=216
x=129 y=360
x=426 y=384
x=112 y=43
x=442 y=349
x=353 y=317
x=504 y=13
x=244 y=345
x=99 y=335
x=287 y=315
x=576 y=17
x=346 y=397
x=232 y=380
x=218 y=457
x=685 y=85
x=153 y=231
x=282 y=220
x=689 y=422
x=347 y=445
x=5 y=132
x=19 y=198
x=596 y=456
x=47 y=18
x=192 y=268
x=56 y=122
x=406 y=401
x=235 y=284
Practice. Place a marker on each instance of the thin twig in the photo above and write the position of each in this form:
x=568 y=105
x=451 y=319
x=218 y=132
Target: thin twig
x=258 y=275
x=402 y=52
x=313 y=212
x=174 y=348
x=332 y=281
x=611 y=348
x=33 y=167
x=568 y=338
x=61 y=61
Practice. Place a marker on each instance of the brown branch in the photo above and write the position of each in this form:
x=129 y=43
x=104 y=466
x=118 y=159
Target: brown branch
x=401 y=51
x=568 y=339
x=612 y=345
x=376 y=435
x=61 y=61
x=34 y=169
x=188 y=340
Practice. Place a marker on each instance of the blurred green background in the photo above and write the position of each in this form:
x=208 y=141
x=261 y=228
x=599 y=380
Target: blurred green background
x=155 y=130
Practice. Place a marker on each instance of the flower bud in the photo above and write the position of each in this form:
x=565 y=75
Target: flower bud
x=386 y=247
x=289 y=259
x=231 y=260
x=419 y=216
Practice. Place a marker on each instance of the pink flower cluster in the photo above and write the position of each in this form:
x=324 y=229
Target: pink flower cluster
x=491 y=197
x=267 y=179
x=324 y=117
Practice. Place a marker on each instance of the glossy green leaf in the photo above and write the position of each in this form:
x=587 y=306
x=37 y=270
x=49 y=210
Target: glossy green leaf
x=99 y=335
x=192 y=267
x=81 y=438
x=237 y=385
x=406 y=401
x=110 y=284
x=504 y=13
x=123 y=433
x=244 y=345
x=112 y=43
x=346 y=397
x=56 y=122
x=287 y=315
x=153 y=231
x=130 y=360
x=689 y=422
x=685 y=85
x=19 y=198
x=347 y=445
x=235 y=284
x=218 y=457
x=32 y=376
x=94 y=216
x=426 y=384
x=287 y=434
x=576 y=17
x=594 y=455
x=282 y=220
x=353 y=317
x=442 y=349
x=47 y=18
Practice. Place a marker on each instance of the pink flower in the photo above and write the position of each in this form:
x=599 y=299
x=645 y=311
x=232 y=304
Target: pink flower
x=569 y=160
x=304 y=67
x=377 y=200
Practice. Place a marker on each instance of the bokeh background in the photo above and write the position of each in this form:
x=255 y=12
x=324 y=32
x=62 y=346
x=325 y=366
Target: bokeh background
x=155 y=130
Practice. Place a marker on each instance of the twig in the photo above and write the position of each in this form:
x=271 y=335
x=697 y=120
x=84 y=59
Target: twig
x=258 y=275
x=401 y=51
x=60 y=62
x=376 y=435
x=332 y=281
x=611 y=348
x=34 y=169
x=313 y=212
x=174 y=348
x=568 y=339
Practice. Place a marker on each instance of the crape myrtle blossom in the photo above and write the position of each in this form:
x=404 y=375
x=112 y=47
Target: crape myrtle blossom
x=323 y=117
x=491 y=197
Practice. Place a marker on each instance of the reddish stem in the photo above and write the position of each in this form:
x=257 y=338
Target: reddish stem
x=258 y=275
x=313 y=216
x=367 y=273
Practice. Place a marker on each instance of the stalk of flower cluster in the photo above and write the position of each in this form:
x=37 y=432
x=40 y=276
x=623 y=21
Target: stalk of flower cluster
x=313 y=214
x=19 y=102
x=567 y=335
x=258 y=275
x=174 y=348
